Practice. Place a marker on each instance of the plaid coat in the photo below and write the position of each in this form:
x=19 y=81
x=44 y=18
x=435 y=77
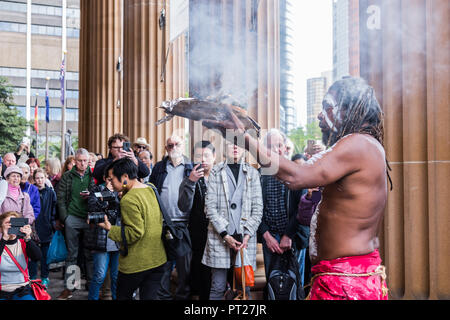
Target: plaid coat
x=217 y=253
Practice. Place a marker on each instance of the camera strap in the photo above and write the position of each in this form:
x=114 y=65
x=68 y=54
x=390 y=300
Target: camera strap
x=25 y=273
x=123 y=252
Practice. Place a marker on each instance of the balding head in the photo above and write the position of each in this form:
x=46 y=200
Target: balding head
x=9 y=159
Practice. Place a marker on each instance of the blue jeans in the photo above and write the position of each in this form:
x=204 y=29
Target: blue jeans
x=101 y=262
x=28 y=295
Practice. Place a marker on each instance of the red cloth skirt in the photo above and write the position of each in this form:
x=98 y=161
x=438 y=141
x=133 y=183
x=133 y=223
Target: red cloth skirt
x=349 y=278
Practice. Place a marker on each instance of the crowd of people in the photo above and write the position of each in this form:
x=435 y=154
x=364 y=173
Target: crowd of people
x=64 y=197
x=110 y=210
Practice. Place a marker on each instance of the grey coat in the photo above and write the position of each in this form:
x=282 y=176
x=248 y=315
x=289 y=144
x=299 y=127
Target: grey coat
x=217 y=253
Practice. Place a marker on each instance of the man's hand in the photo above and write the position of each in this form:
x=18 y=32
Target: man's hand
x=272 y=243
x=310 y=191
x=285 y=243
x=129 y=155
x=234 y=126
x=196 y=174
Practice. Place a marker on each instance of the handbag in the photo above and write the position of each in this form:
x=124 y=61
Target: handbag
x=39 y=290
x=233 y=293
x=242 y=265
x=175 y=237
x=57 y=251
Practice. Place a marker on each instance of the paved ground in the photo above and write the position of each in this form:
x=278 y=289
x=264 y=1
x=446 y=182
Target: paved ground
x=57 y=286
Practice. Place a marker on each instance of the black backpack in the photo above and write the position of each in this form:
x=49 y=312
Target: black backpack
x=284 y=278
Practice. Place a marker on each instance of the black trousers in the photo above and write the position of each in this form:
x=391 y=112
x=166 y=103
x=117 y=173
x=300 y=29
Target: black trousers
x=148 y=283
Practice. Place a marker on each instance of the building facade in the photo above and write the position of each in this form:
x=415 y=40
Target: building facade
x=46 y=60
x=340 y=39
x=316 y=90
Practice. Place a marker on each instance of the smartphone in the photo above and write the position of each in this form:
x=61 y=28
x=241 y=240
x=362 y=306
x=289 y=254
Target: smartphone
x=311 y=143
x=316 y=196
x=198 y=163
x=126 y=146
x=16 y=224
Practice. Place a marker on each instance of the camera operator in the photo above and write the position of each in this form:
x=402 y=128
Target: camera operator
x=13 y=283
x=102 y=200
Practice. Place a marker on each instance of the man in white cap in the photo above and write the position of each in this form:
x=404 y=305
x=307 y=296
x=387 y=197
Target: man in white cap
x=140 y=145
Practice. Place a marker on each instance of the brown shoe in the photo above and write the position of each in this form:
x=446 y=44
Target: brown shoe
x=65 y=295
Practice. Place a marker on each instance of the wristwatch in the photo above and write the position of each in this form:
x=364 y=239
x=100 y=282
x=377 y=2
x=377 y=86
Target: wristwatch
x=223 y=235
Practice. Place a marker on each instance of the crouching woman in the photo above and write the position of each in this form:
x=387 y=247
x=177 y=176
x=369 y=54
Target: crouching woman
x=14 y=285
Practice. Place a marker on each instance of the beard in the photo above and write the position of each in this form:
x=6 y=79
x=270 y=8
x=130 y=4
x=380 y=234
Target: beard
x=329 y=138
x=175 y=154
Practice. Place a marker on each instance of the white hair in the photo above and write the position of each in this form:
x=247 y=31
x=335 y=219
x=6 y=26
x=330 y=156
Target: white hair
x=82 y=151
x=23 y=165
x=271 y=133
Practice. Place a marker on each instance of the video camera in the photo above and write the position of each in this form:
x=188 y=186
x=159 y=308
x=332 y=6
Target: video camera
x=105 y=195
x=99 y=217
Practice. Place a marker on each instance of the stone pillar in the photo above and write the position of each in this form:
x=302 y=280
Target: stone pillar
x=145 y=47
x=408 y=65
x=100 y=47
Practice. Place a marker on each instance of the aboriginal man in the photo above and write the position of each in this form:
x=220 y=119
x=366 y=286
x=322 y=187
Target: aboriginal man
x=343 y=241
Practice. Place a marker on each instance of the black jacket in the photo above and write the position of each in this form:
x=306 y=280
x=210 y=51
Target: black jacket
x=159 y=172
x=95 y=237
x=46 y=219
x=102 y=164
x=192 y=198
x=292 y=199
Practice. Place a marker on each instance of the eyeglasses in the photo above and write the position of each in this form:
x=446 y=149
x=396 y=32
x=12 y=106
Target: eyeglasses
x=142 y=147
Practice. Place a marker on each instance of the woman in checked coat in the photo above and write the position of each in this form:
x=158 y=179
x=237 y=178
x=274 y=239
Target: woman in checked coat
x=234 y=208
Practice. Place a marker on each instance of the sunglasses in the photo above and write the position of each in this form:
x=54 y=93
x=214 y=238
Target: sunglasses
x=141 y=147
x=171 y=145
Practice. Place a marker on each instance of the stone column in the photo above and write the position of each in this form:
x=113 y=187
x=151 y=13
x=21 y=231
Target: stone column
x=410 y=74
x=100 y=48
x=144 y=50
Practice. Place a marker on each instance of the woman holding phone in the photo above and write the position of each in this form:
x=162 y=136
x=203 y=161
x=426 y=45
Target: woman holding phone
x=13 y=251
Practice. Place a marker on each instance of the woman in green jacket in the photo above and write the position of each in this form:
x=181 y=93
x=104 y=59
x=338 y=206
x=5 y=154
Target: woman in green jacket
x=143 y=265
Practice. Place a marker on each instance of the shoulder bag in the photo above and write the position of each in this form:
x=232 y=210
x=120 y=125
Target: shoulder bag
x=39 y=290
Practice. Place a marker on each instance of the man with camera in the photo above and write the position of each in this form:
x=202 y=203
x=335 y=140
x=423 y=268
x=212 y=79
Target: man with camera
x=103 y=200
x=72 y=207
x=119 y=147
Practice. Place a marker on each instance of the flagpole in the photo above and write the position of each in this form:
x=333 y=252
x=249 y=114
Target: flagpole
x=46 y=118
x=36 y=124
x=63 y=82
x=28 y=81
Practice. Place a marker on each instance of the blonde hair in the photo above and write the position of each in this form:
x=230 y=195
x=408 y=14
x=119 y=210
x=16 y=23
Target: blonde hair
x=54 y=166
x=8 y=214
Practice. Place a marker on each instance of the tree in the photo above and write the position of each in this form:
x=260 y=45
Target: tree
x=300 y=135
x=12 y=125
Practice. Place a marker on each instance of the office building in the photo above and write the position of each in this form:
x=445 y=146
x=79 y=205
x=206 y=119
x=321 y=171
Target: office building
x=46 y=60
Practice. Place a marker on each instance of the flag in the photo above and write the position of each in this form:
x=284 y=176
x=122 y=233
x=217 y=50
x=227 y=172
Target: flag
x=36 y=119
x=62 y=76
x=47 y=105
